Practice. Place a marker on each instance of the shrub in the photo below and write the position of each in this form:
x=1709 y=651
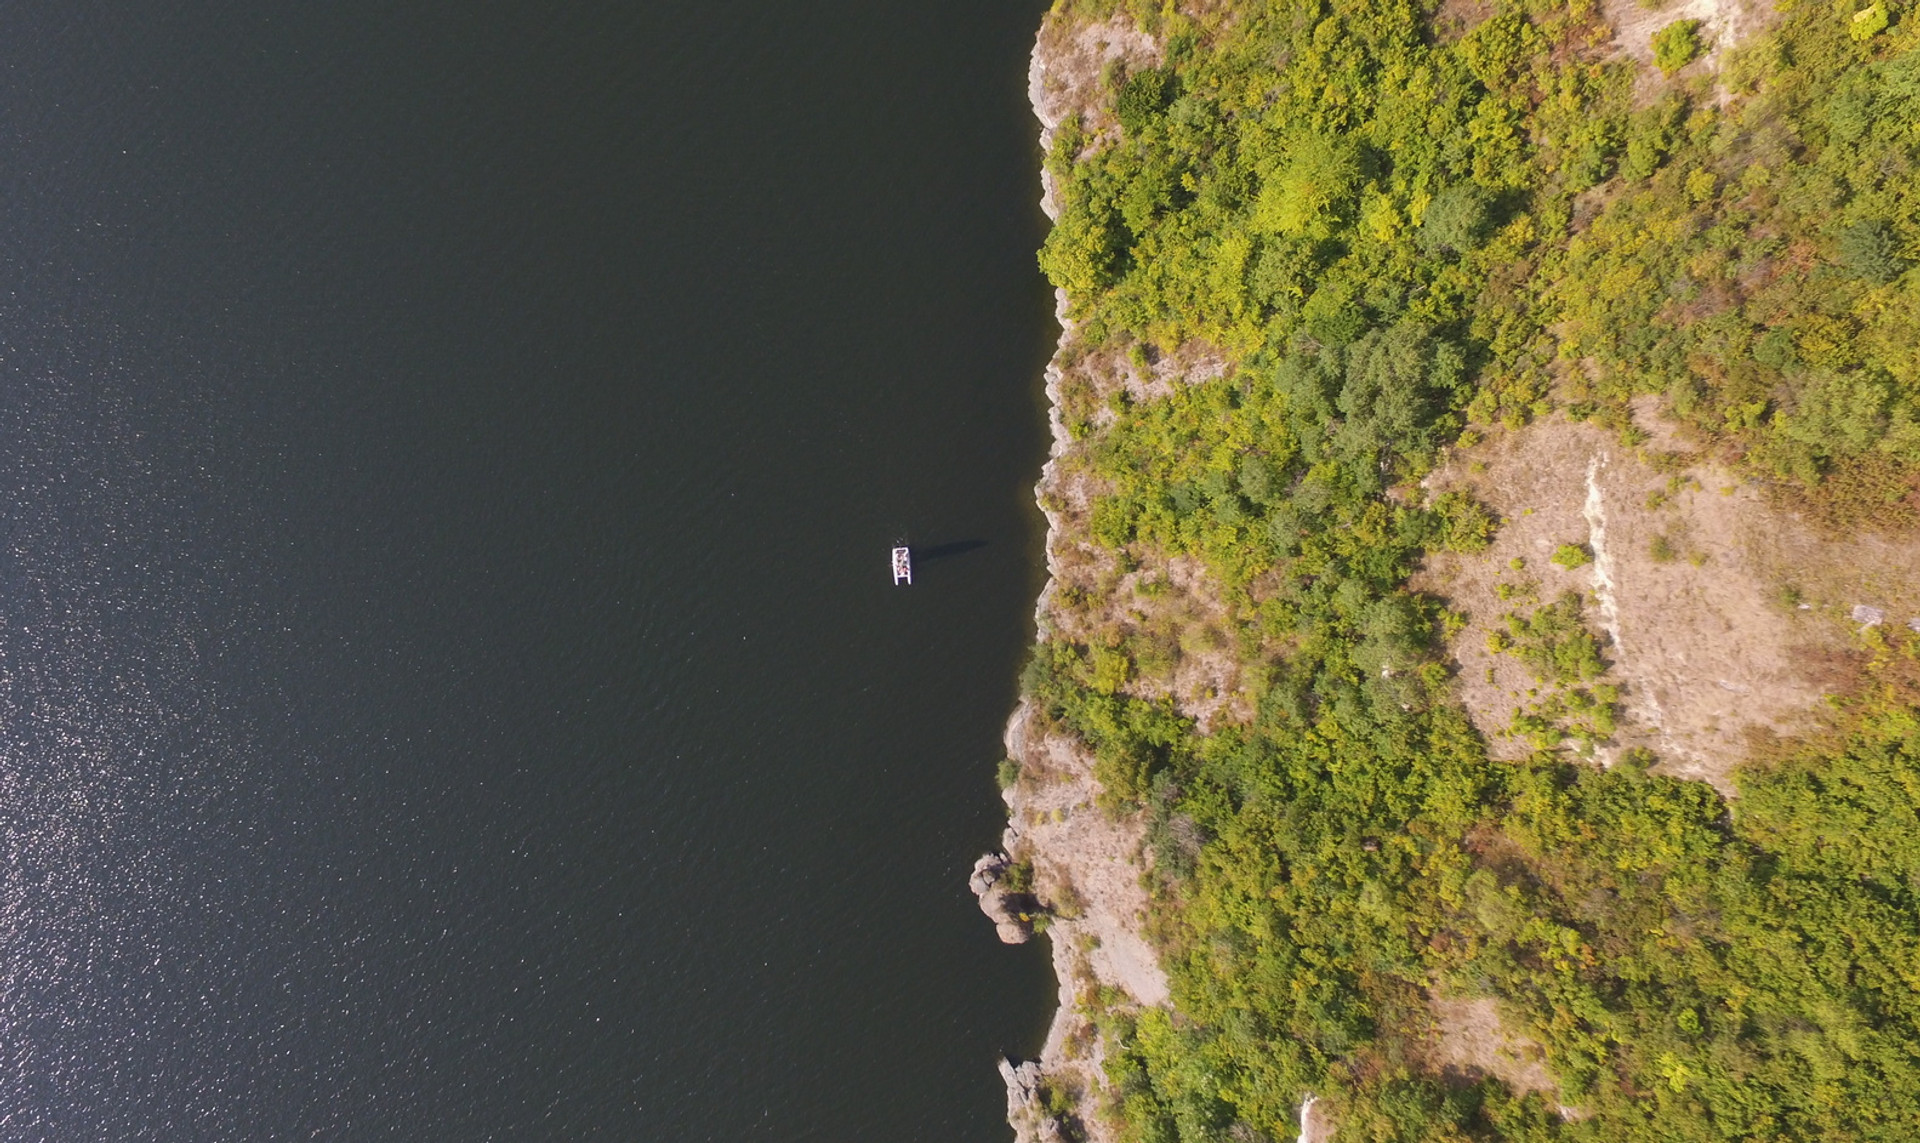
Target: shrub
x=1840 y=414
x=1676 y=45
x=1143 y=97
x=1868 y=22
x=1555 y=643
x=1572 y=556
x=1465 y=525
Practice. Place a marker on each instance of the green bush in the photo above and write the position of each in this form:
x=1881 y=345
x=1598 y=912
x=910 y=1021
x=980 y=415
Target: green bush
x=1572 y=556
x=1868 y=22
x=1143 y=97
x=1555 y=643
x=1082 y=253
x=1676 y=45
x=1465 y=525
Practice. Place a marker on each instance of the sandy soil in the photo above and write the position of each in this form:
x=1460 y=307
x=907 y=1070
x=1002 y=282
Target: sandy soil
x=1728 y=634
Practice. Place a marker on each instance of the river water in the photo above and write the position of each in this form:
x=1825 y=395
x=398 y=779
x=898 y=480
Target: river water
x=450 y=687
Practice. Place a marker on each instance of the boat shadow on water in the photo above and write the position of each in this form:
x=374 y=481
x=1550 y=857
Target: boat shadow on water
x=934 y=552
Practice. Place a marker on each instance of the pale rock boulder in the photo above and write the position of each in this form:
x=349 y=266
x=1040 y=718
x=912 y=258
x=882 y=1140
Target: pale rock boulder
x=1009 y=911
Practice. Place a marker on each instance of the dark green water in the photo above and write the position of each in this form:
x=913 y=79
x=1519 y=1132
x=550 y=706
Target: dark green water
x=450 y=683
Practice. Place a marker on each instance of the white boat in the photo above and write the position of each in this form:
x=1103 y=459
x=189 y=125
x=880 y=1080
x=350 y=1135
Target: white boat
x=902 y=567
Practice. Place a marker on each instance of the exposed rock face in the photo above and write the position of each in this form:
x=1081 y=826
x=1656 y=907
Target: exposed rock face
x=1010 y=911
x=1087 y=864
x=1026 y=1104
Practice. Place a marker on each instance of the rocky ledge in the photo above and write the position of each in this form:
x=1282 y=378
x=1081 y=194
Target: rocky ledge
x=1010 y=910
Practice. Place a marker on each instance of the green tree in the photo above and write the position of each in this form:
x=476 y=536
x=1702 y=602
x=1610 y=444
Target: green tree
x=1308 y=193
x=1868 y=22
x=1676 y=45
x=1143 y=97
x=1869 y=250
x=1457 y=220
x=1082 y=251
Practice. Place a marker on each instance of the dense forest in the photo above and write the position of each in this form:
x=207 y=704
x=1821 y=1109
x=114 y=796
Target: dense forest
x=1402 y=225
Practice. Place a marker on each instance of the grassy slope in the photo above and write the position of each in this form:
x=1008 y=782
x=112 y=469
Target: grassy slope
x=1396 y=231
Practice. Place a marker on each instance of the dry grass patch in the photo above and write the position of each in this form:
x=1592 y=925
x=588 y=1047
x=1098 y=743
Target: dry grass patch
x=1471 y=1042
x=1719 y=614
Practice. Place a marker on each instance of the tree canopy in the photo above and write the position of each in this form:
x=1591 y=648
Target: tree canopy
x=1399 y=225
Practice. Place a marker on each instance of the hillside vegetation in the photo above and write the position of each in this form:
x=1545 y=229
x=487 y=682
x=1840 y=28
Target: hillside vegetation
x=1400 y=227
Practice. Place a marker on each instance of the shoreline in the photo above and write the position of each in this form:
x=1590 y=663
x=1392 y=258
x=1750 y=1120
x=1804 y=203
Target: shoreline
x=1084 y=865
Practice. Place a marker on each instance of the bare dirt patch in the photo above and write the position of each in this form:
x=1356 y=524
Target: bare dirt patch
x=1193 y=363
x=1723 y=25
x=1719 y=610
x=1166 y=615
x=1316 y=1122
x=1455 y=18
x=1471 y=1041
x=1088 y=384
